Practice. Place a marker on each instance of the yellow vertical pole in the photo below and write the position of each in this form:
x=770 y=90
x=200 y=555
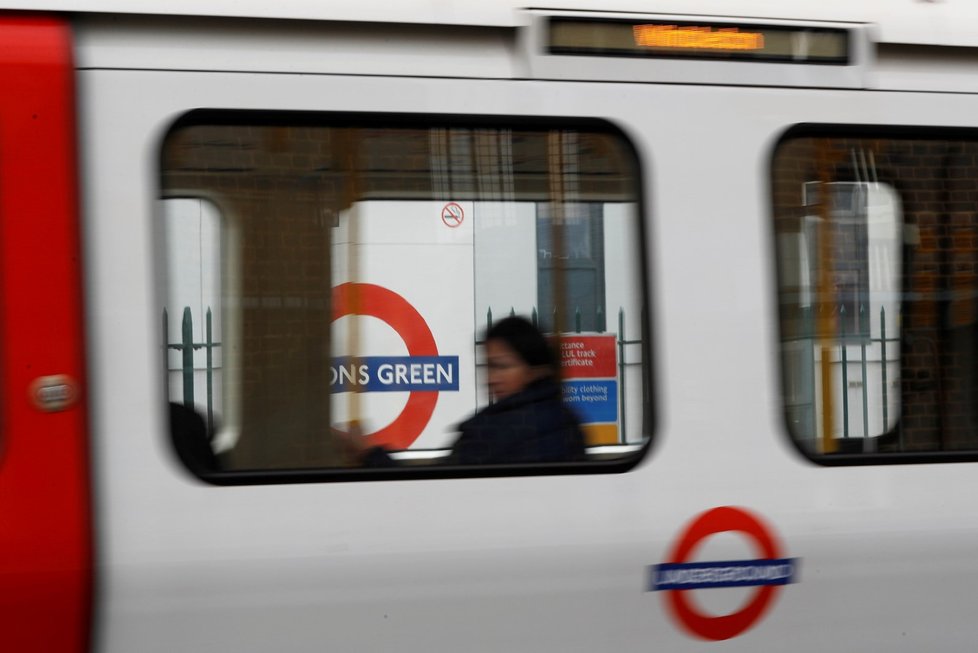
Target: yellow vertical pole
x=349 y=157
x=826 y=327
x=558 y=196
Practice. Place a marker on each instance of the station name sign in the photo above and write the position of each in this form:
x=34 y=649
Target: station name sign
x=687 y=40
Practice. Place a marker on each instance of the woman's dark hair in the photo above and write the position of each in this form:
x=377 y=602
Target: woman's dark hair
x=525 y=339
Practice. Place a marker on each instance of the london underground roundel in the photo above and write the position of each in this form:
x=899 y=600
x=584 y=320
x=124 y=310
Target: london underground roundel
x=423 y=373
x=681 y=574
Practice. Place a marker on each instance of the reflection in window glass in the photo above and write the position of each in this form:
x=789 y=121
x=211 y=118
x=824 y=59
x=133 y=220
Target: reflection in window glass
x=192 y=308
x=357 y=267
x=877 y=247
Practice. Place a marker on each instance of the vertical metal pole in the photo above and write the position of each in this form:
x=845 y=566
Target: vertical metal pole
x=862 y=353
x=826 y=327
x=188 y=358
x=621 y=375
x=166 y=353
x=845 y=372
x=557 y=177
x=884 y=381
x=489 y=317
x=210 y=374
x=348 y=155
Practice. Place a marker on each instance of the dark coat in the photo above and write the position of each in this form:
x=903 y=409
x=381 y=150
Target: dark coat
x=531 y=426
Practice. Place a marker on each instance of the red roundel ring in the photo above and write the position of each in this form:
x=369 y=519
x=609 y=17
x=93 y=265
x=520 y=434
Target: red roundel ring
x=400 y=315
x=711 y=522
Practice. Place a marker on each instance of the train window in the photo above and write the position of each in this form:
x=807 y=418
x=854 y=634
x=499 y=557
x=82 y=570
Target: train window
x=877 y=250
x=335 y=278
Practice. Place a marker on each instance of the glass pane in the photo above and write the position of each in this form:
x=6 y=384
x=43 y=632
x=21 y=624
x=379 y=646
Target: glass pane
x=877 y=243
x=359 y=265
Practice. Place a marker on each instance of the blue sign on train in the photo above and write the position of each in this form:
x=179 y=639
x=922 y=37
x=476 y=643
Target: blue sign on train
x=732 y=573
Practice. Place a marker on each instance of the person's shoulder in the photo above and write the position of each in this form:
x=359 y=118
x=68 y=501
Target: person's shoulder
x=545 y=389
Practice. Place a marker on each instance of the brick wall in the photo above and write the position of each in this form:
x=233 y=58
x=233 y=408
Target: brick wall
x=265 y=183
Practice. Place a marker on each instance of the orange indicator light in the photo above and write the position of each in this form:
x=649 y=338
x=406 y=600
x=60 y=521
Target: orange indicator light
x=696 y=38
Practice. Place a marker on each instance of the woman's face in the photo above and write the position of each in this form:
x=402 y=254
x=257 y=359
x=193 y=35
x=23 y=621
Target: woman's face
x=508 y=373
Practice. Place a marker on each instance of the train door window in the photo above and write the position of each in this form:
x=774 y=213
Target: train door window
x=877 y=250
x=353 y=266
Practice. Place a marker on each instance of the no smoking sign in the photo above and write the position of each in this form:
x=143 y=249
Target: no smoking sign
x=452 y=215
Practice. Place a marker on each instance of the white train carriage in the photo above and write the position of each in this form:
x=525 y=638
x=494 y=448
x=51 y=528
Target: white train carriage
x=229 y=229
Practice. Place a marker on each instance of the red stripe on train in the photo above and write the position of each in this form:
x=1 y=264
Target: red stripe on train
x=45 y=533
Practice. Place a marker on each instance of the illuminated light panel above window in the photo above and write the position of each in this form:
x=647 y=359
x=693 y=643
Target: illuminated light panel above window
x=725 y=41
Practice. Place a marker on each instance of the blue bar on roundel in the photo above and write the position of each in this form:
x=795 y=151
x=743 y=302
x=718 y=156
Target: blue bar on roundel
x=730 y=573
x=394 y=374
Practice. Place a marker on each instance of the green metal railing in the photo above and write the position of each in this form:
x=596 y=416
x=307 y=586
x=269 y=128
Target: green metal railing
x=863 y=340
x=187 y=347
x=187 y=368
